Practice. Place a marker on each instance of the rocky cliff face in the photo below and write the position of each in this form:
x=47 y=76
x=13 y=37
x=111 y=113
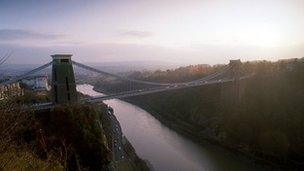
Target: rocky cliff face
x=72 y=137
x=123 y=155
x=76 y=130
x=265 y=123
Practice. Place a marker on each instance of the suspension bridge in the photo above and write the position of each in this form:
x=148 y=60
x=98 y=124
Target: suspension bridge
x=64 y=85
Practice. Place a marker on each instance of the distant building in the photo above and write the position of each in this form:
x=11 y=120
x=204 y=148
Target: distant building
x=37 y=83
x=11 y=90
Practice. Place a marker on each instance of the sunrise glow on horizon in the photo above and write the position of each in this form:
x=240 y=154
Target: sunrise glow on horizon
x=194 y=31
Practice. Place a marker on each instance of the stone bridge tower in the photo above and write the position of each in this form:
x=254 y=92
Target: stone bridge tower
x=236 y=74
x=231 y=92
x=63 y=80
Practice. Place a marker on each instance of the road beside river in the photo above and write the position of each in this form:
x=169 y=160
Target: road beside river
x=164 y=148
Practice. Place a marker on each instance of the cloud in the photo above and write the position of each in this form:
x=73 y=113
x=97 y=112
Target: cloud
x=19 y=34
x=138 y=34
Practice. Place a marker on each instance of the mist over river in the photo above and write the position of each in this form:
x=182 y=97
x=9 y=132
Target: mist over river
x=165 y=149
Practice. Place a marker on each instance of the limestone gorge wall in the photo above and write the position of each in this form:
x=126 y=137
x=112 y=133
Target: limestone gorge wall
x=264 y=122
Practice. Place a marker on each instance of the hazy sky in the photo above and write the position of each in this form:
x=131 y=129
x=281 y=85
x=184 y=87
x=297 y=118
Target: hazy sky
x=189 y=31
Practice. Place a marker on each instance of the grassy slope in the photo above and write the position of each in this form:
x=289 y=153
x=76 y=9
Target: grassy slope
x=68 y=137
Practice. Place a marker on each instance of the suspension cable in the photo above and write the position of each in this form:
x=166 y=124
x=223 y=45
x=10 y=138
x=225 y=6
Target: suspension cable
x=148 y=82
x=5 y=57
x=20 y=77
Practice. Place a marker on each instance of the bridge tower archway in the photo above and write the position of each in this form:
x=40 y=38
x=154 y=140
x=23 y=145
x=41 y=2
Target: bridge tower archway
x=63 y=79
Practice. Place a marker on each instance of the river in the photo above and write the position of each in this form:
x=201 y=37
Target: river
x=165 y=149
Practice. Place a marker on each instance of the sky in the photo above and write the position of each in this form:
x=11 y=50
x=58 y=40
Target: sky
x=184 y=31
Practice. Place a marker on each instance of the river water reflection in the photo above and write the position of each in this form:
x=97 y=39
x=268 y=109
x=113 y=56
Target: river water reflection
x=164 y=148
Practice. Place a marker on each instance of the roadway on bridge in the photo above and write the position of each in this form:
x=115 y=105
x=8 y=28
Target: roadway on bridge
x=98 y=99
x=214 y=78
